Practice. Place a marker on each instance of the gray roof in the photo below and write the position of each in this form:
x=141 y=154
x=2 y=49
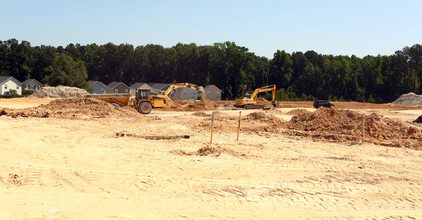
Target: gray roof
x=5 y=78
x=159 y=86
x=114 y=84
x=92 y=82
x=31 y=80
x=137 y=85
x=209 y=86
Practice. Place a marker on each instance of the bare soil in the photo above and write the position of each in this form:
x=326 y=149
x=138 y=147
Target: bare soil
x=61 y=159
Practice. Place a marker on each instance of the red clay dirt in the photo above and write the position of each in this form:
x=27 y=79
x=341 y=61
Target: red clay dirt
x=344 y=125
x=72 y=108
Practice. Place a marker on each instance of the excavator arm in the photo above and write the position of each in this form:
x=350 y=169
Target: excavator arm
x=169 y=91
x=251 y=102
x=271 y=88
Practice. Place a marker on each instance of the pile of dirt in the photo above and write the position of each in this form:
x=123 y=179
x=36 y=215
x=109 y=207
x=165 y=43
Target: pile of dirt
x=59 y=92
x=264 y=117
x=297 y=111
x=345 y=125
x=262 y=122
x=410 y=99
x=73 y=108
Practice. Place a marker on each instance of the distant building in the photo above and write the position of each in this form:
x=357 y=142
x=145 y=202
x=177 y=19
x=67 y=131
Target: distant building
x=99 y=87
x=8 y=83
x=212 y=92
x=137 y=86
x=31 y=84
x=186 y=93
x=117 y=87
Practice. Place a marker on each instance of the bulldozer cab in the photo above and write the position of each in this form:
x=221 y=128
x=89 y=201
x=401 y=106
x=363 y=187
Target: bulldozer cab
x=143 y=93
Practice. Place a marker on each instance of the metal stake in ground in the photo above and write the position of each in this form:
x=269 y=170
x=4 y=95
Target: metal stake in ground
x=212 y=126
x=362 y=130
x=238 y=127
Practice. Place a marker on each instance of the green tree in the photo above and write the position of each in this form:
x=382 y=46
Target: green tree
x=281 y=70
x=68 y=72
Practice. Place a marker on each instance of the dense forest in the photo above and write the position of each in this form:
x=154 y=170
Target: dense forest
x=233 y=68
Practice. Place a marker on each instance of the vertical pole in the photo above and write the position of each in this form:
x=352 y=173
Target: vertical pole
x=212 y=126
x=363 y=130
x=238 y=127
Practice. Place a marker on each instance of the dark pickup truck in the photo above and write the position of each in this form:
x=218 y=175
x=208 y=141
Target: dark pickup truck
x=323 y=103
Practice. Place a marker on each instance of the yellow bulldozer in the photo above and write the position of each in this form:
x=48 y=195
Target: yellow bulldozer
x=251 y=103
x=144 y=100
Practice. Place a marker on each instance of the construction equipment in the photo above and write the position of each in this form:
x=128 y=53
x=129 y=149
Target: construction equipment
x=144 y=99
x=250 y=102
x=169 y=91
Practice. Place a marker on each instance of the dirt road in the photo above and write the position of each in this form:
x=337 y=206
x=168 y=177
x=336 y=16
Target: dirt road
x=78 y=168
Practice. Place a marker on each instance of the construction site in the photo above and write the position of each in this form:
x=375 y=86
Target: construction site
x=66 y=155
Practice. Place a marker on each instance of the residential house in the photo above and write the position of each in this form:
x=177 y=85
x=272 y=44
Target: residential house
x=99 y=87
x=212 y=92
x=117 y=87
x=8 y=83
x=31 y=84
x=186 y=93
x=134 y=87
x=159 y=87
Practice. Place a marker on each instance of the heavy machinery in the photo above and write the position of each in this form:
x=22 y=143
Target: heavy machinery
x=144 y=99
x=250 y=102
x=169 y=91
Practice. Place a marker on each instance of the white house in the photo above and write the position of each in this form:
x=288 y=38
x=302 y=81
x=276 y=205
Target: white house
x=99 y=87
x=8 y=83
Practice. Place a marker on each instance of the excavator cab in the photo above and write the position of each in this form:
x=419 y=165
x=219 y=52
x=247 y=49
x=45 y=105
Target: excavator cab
x=250 y=101
x=143 y=93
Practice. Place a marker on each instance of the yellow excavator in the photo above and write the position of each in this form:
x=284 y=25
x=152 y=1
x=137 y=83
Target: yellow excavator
x=144 y=99
x=250 y=102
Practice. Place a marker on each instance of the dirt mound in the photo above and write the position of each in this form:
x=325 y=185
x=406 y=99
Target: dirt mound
x=59 y=92
x=264 y=117
x=345 y=125
x=410 y=99
x=297 y=111
x=73 y=108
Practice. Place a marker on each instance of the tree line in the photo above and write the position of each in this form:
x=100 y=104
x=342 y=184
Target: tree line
x=232 y=68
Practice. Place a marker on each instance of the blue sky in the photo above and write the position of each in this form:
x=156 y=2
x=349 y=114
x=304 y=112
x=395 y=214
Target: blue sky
x=356 y=27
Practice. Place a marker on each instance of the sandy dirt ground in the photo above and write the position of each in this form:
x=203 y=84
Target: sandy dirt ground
x=66 y=166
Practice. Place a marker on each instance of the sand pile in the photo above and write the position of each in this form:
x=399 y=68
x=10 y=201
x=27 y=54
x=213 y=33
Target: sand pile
x=297 y=111
x=59 y=92
x=410 y=99
x=345 y=125
x=73 y=108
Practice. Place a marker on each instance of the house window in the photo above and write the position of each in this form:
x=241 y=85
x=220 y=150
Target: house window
x=126 y=90
x=5 y=86
x=116 y=91
x=17 y=87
